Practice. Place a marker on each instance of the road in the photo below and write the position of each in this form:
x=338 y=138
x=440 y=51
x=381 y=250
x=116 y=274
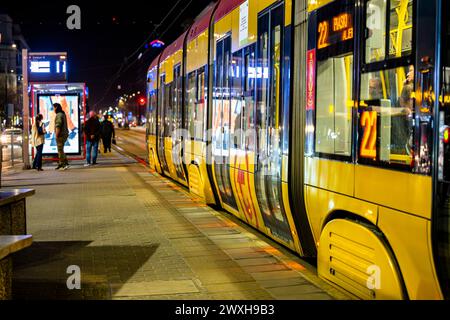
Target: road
x=132 y=142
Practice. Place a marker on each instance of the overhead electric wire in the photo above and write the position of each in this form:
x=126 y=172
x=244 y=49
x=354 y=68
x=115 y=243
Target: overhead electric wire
x=161 y=35
x=118 y=74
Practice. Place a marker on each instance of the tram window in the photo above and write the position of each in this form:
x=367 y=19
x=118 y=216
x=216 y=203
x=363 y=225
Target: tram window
x=161 y=106
x=192 y=91
x=276 y=77
x=199 y=117
x=263 y=79
x=401 y=28
x=248 y=112
x=236 y=100
x=168 y=110
x=386 y=116
x=399 y=15
x=226 y=103
x=334 y=106
x=177 y=105
x=152 y=108
x=376 y=28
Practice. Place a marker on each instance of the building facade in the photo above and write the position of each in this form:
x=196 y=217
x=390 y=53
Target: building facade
x=11 y=74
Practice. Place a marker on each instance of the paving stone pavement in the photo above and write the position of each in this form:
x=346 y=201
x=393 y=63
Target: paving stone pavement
x=136 y=235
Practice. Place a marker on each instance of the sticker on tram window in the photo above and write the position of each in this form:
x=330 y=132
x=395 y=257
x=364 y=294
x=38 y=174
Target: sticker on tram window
x=369 y=139
x=311 y=80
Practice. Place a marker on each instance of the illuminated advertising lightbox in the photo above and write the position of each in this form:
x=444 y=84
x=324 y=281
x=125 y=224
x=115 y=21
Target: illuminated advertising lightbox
x=71 y=106
x=47 y=67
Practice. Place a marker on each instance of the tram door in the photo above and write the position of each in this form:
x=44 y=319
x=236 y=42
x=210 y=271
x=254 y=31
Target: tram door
x=221 y=116
x=442 y=209
x=177 y=143
x=162 y=123
x=269 y=102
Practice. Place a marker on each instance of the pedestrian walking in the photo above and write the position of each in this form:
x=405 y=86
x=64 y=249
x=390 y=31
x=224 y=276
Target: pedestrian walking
x=37 y=141
x=92 y=130
x=61 y=135
x=108 y=133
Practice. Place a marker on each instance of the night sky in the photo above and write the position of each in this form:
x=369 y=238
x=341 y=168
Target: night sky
x=110 y=32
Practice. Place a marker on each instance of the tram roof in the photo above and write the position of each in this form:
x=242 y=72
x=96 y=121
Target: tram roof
x=174 y=47
x=154 y=62
x=226 y=6
x=202 y=21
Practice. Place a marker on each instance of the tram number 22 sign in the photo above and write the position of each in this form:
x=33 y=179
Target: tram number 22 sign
x=369 y=140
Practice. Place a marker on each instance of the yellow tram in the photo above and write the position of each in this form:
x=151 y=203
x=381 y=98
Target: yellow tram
x=322 y=124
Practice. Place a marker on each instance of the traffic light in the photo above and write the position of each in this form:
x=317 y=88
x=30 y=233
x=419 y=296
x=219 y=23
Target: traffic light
x=142 y=101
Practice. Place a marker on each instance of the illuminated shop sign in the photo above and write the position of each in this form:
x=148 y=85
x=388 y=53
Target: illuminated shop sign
x=47 y=67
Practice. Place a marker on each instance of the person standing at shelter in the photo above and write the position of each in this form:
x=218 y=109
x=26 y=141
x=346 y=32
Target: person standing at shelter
x=92 y=130
x=37 y=141
x=61 y=134
x=108 y=133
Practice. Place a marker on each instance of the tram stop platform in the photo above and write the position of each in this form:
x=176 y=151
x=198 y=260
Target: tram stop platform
x=136 y=235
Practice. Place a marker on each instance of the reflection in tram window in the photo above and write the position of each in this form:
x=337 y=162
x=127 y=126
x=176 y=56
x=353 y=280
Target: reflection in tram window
x=168 y=116
x=248 y=112
x=269 y=90
x=199 y=118
x=389 y=93
x=191 y=101
x=196 y=105
x=400 y=18
x=236 y=100
x=400 y=31
x=262 y=106
x=226 y=105
x=334 y=106
x=221 y=121
x=163 y=96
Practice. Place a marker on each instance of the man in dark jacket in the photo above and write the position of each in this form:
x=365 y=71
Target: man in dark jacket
x=61 y=135
x=92 y=130
x=107 y=133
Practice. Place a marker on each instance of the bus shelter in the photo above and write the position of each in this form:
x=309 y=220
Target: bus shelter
x=72 y=97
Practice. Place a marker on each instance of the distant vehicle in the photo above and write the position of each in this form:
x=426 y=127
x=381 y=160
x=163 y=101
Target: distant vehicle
x=15 y=134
